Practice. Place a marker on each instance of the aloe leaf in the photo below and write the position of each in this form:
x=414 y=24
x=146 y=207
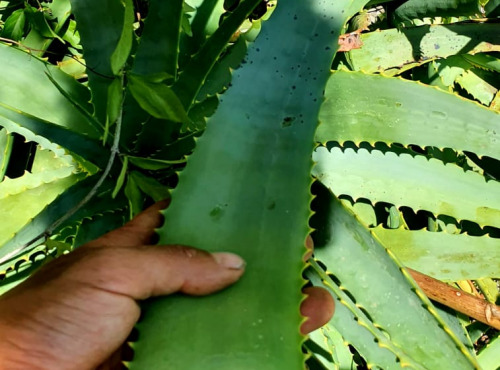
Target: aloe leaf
x=153 y=164
x=488 y=357
x=413 y=9
x=28 y=196
x=100 y=25
x=48 y=104
x=47 y=133
x=385 y=290
x=416 y=45
x=357 y=328
x=361 y=107
x=6 y=142
x=195 y=72
x=404 y=180
x=64 y=202
x=443 y=256
x=477 y=87
x=159 y=44
x=250 y=195
x=484 y=61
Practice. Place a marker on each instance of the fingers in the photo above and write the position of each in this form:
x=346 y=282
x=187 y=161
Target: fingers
x=318 y=307
x=146 y=271
x=138 y=231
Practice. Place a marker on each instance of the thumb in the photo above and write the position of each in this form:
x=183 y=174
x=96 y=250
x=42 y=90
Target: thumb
x=147 y=271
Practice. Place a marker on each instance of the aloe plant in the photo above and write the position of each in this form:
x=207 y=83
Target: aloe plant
x=406 y=172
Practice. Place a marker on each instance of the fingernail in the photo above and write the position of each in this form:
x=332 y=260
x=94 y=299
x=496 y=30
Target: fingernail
x=229 y=260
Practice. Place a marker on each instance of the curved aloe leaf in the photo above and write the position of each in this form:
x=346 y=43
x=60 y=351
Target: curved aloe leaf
x=413 y=9
x=250 y=195
x=6 y=143
x=444 y=256
x=195 y=72
x=48 y=103
x=488 y=357
x=384 y=291
x=410 y=181
x=413 y=46
x=356 y=327
x=360 y=107
x=47 y=133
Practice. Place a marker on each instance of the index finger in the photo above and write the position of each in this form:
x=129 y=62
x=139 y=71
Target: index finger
x=139 y=231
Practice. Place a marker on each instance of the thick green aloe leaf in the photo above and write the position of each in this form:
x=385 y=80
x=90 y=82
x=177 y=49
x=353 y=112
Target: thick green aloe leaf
x=413 y=9
x=444 y=256
x=384 y=290
x=360 y=107
x=416 y=182
x=246 y=190
x=48 y=103
x=23 y=198
x=56 y=209
x=398 y=49
x=159 y=43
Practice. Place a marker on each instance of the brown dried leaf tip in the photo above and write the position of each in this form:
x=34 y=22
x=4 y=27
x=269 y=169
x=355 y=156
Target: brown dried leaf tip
x=349 y=41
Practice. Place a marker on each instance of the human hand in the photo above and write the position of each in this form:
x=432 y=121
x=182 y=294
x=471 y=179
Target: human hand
x=77 y=311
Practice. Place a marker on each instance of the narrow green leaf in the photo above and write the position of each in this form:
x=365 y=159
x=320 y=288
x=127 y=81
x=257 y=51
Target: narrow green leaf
x=153 y=164
x=121 y=178
x=263 y=170
x=157 y=99
x=150 y=186
x=115 y=101
x=361 y=107
x=385 y=291
x=122 y=50
x=415 y=182
x=15 y=25
x=134 y=196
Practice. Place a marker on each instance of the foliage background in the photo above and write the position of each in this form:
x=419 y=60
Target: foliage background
x=407 y=146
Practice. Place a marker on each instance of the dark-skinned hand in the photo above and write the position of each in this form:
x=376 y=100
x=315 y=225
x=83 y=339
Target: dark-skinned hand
x=77 y=311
